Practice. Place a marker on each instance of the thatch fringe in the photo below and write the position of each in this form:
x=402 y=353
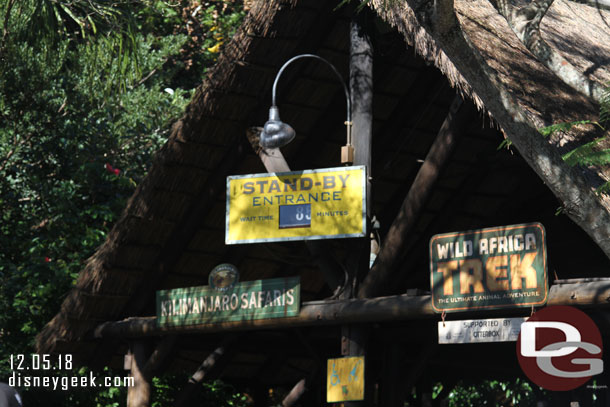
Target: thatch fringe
x=400 y=16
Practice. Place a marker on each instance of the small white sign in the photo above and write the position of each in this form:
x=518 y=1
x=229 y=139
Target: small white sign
x=480 y=330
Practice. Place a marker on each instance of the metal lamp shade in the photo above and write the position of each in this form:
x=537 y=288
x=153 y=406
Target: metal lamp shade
x=276 y=133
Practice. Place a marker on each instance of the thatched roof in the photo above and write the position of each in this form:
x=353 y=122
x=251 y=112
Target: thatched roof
x=171 y=234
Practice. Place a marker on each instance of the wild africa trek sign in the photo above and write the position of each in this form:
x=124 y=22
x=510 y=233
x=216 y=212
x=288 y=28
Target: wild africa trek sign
x=489 y=268
x=248 y=300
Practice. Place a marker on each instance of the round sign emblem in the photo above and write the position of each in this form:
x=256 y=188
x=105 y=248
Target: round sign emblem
x=223 y=277
x=560 y=348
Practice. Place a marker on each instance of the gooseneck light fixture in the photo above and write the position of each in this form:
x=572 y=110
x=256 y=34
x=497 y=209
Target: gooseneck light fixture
x=276 y=133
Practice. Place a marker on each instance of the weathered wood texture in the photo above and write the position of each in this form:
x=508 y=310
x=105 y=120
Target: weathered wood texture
x=354 y=338
x=320 y=313
x=393 y=246
x=295 y=393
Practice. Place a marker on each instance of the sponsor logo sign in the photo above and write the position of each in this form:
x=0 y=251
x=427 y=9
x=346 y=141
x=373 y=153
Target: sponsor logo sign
x=479 y=330
x=560 y=348
x=314 y=204
x=223 y=277
x=499 y=267
x=345 y=379
x=247 y=300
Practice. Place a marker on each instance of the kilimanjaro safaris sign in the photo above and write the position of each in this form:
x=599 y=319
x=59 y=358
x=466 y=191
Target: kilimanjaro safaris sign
x=500 y=267
x=315 y=204
x=247 y=300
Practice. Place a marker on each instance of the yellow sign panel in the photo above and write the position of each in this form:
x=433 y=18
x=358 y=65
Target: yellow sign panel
x=345 y=379
x=314 y=204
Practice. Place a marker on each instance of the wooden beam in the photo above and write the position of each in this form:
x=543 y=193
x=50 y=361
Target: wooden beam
x=274 y=161
x=391 y=253
x=381 y=309
x=295 y=394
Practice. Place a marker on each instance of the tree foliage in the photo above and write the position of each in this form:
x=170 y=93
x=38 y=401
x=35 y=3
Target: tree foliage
x=88 y=90
x=592 y=153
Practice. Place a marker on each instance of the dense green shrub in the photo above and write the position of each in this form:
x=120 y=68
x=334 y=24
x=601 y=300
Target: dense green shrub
x=88 y=90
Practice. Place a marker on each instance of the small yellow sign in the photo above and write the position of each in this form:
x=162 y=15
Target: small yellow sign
x=314 y=204
x=345 y=379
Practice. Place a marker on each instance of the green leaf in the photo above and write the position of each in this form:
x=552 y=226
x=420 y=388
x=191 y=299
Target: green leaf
x=587 y=154
x=561 y=127
x=506 y=143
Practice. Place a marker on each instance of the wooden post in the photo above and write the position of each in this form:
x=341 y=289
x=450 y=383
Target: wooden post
x=139 y=394
x=354 y=338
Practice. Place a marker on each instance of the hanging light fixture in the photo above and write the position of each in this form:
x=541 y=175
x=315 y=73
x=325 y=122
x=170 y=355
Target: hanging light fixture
x=277 y=134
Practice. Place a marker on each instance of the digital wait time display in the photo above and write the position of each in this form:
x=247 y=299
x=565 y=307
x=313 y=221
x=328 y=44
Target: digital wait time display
x=313 y=204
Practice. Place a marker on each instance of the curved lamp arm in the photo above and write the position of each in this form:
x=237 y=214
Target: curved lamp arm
x=276 y=133
x=291 y=60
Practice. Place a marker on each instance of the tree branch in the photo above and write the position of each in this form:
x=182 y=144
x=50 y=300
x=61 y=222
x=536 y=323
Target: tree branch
x=525 y=23
x=598 y=4
x=566 y=183
x=16 y=144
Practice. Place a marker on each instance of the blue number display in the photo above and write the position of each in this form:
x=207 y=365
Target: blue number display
x=295 y=216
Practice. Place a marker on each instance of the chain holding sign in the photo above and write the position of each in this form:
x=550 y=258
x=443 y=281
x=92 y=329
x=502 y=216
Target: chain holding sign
x=314 y=204
x=498 y=267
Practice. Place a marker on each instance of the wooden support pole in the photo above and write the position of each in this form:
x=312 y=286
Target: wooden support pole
x=200 y=374
x=390 y=255
x=138 y=395
x=354 y=338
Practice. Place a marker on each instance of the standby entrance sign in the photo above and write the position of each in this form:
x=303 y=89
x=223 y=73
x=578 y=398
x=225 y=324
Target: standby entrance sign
x=315 y=204
x=501 y=267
